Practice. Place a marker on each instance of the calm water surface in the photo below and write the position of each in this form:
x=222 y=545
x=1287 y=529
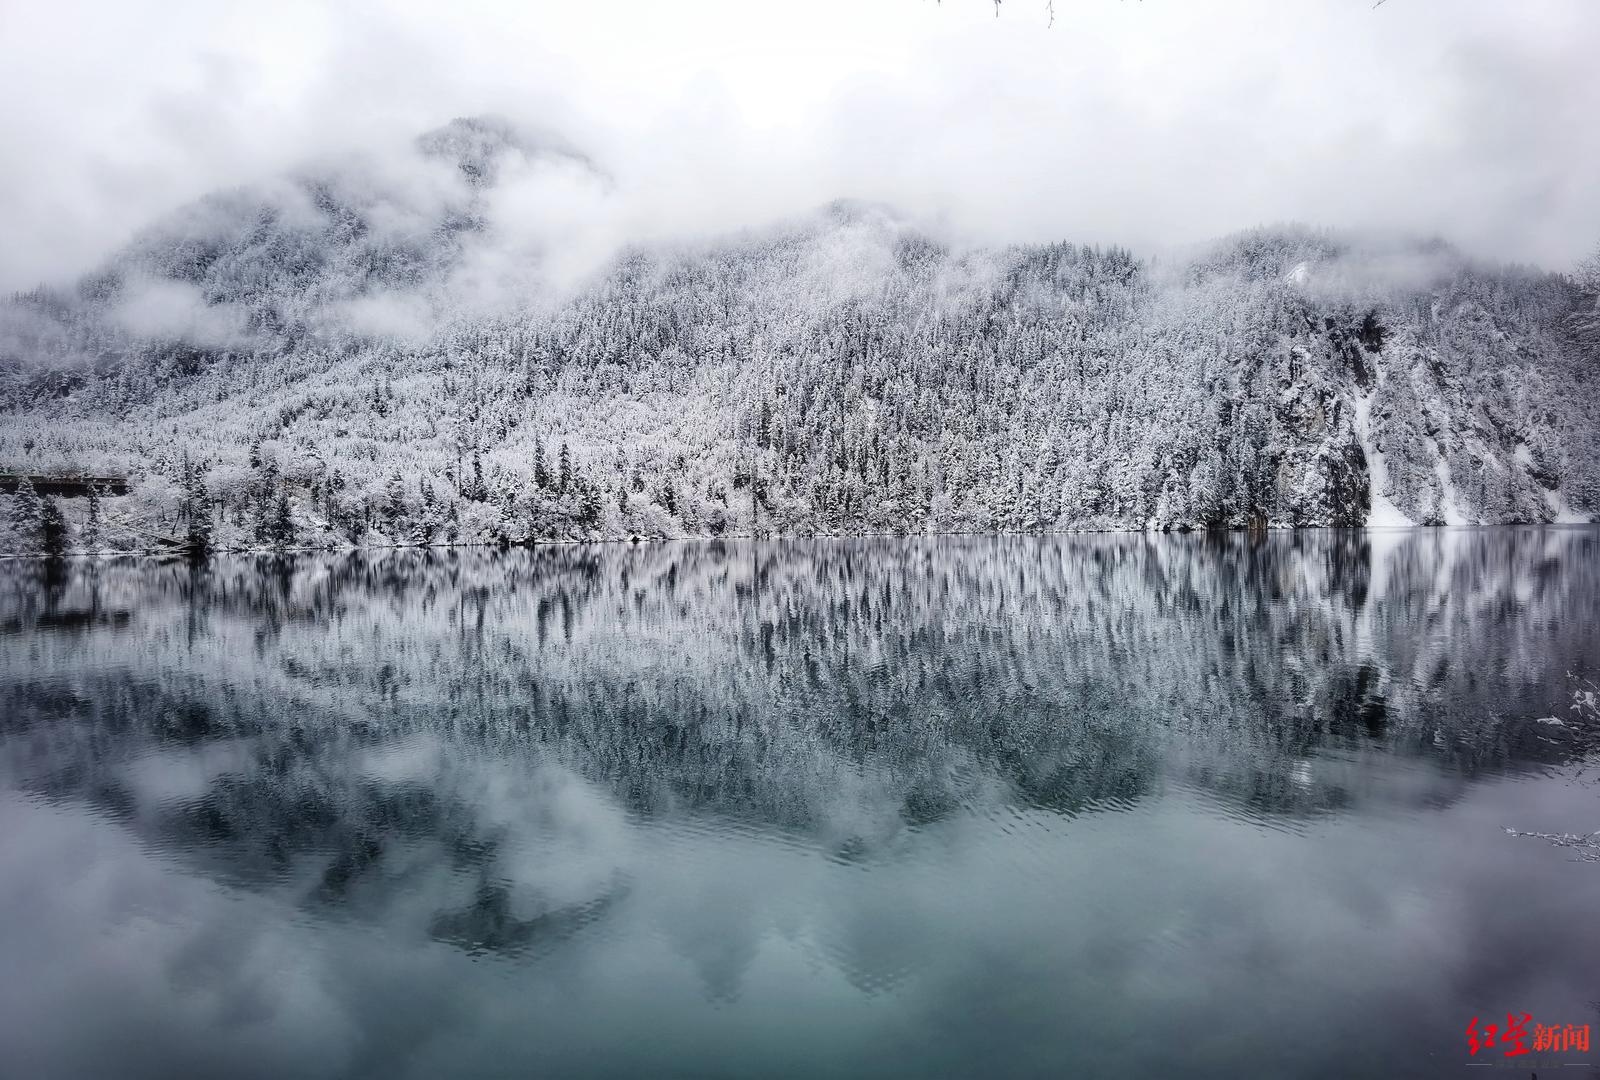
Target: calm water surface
x=1102 y=806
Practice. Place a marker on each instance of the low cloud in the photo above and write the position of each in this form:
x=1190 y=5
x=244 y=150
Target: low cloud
x=166 y=310
x=551 y=222
x=1147 y=124
x=405 y=317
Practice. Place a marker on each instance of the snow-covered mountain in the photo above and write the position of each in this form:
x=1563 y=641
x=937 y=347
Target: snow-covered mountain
x=451 y=343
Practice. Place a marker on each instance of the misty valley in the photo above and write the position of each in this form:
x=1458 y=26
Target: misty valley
x=375 y=353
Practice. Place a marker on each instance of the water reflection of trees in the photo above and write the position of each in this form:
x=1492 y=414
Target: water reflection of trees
x=358 y=722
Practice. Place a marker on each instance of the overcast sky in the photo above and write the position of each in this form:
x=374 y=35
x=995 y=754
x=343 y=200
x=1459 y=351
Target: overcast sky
x=1144 y=122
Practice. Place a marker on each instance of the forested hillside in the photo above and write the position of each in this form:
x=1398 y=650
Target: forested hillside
x=426 y=350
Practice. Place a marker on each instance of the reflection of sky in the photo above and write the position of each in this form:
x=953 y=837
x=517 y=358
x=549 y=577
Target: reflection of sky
x=1171 y=937
x=1082 y=806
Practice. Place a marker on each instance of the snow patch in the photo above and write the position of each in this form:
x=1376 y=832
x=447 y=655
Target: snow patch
x=1381 y=513
x=1562 y=513
x=1449 y=501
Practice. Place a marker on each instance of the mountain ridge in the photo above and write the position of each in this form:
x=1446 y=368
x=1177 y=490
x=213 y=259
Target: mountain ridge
x=403 y=351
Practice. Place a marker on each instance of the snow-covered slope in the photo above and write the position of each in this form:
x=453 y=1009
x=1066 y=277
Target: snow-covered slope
x=450 y=344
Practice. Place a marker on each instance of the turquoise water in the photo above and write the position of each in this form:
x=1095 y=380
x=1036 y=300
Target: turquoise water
x=1098 y=806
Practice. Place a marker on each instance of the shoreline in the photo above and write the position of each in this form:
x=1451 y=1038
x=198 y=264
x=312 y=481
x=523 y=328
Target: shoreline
x=178 y=553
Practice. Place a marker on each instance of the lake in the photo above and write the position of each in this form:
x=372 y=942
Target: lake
x=1107 y=805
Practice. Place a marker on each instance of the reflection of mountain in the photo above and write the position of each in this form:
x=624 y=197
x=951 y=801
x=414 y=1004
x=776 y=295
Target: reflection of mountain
x=468 y=733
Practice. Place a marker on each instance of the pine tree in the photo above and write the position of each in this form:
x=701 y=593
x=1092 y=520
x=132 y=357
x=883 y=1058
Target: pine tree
x=590 y=507
x=394 y=505
x=566 y=468
x=281 y=530
x=427 y=522
x=26 y=517
x=764 y=425
x=264 y=494
x=195 y=510
x=90 y=536
x=52 y=529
